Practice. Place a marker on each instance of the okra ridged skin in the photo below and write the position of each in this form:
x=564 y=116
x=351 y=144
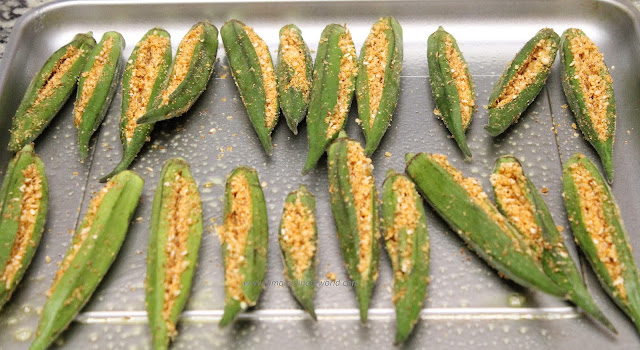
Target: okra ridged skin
x=294 y=82
x=247 y=264
x=444 y=87
x=385 y=97
x=174 y=242
x=201 y=66
x=407 y=243
x=330 y=100
x=347 y=201
x=259 y=95
x=497 y=242
x=48 y=91
x=503 y=114
x=300 y=205
x=98 y=91
x=154 y=52
x=556 y=260
x=609 y=238
x=583 y=107
x=24 y=189
x=93 y=249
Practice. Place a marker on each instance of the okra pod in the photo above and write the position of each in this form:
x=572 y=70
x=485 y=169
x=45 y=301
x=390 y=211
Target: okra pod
x=252 y=70
x=598 y=228
x=49 y=89
x=143 y=80
x=244 y=238
x=96 y=87
x=354 y=203
x=588 y=87
x=190 y=73
x=23 y=211
x=174 y=241
x=452 y=86
x=334 y=82
x=407 y=241
x=462 y=203
x=298 y=238
x=294 y=72
x=92 y=251
x=519 y=201
x=378 y=83
x=522 y=81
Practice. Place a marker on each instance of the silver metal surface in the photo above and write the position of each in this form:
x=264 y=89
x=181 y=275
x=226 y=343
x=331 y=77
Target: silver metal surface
x=468 y=304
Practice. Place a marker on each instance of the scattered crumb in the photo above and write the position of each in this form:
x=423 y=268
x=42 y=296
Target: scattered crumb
x=208 y=184
x=224 y=99
x=560 y=228
x=574 y=126
x=544 y=190
x=47 y=259
x=387 y=154
x=331 y=276
x=564 y=106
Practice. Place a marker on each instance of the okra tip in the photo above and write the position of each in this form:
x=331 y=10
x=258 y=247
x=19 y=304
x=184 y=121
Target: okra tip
x=409 y=156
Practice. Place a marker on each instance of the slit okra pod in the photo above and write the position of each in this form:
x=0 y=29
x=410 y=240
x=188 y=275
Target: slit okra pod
x=93 y=249
x=407 y=241
x=466 y=208
x=378 y=84
x=298 y=238
x=354 y=203
x=252 y=70
x=48 y=91
x=599 y=231
x=244 y=238
x=518 y=200
x=452 y=86
x=174 y=242
x=334 y=82
x=143 y=80
x=588 y=87
x=190 y=73
x=522 y=81
x=294 y=72
x=96 y=87
x=24 y=202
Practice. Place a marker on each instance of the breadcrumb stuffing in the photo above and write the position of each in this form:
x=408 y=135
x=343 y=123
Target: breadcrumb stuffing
x=54 y=80
x=268 y=77
x=294 y=55
x=463 y=85
x=91 y=80
x=592 y=198
x=146 y=69
x=348 y=69
x=594 y=80
x=298 y=229
x=538 y=60
x=30 y=199
x=377 y=51
x=405 y=216
x=362 y=187
x=182 y=61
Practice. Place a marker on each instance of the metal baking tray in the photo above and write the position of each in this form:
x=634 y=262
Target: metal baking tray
x=468 y=304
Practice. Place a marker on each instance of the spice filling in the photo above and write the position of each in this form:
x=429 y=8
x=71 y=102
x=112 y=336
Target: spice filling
x=405 y=216
x=54 y=80
x=294 y=55
x=268 y=77
x=461 y=79
x=91 y=79
x=298 y=230
x=182 y=62
x=348 y=69
x=377 y=51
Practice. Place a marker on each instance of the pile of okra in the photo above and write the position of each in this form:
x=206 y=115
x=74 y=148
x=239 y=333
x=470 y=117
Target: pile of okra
x=515 y=234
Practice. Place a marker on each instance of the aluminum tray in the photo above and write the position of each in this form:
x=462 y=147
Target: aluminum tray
x=468 y=304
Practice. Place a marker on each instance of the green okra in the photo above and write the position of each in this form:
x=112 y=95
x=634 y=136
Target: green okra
x=588 y=87
x=452 y=86
x=174 y=241
x=252 y=70
x=519 y=201
x=143 y=81
x=96 y=87
x=522 y=81
x=407 y=241
x=93 y=249
x=48 y=91
x=190 y=73
x=24 y=202
x=298 y=238
x=244 y=238
x=354 y=203
x=463 y=204
x=294 y=72
x=598 y=229
x=334 y=82
x=378 y=83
